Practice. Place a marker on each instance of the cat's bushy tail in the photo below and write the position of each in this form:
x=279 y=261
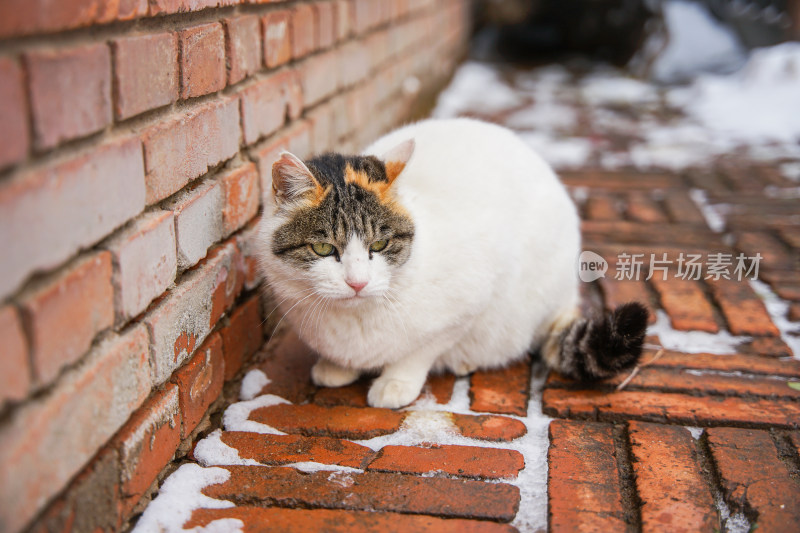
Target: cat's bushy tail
x=589 y=349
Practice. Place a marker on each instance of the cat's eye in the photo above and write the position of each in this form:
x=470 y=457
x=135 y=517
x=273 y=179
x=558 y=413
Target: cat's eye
x=323 y=249
x=377 y=246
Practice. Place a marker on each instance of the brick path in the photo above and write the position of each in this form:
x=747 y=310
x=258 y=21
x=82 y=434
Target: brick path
x=704 y=438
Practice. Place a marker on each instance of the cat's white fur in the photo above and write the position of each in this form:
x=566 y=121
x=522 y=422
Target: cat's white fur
x=492 y=266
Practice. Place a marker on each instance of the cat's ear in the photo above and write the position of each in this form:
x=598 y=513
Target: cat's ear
x=291 y=179
x=397 y=158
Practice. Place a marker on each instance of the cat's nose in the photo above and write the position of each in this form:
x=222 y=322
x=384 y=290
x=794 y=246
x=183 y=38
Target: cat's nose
x=357 y=285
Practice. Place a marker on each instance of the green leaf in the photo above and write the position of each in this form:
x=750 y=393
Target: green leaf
x=794 y=384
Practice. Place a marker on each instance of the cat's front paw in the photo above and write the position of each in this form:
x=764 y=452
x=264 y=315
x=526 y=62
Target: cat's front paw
x=392 y=393
x=327 y=374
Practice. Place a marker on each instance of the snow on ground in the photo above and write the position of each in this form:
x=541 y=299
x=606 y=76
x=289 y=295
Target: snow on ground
x=754 y=112
x=427 y=422
x=180 y=495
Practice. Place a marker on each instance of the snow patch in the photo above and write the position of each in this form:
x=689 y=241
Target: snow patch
x=236 y=416
x=696 y=43
x=212 y=451
x=252 y=384
x=711 y=213
x=310 y=467
x=696 y=432
x=722 y=343
x=180 y=495
x=478 y=89
x=778 y=310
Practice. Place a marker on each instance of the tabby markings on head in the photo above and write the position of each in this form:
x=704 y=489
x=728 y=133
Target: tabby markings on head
x=334 y=198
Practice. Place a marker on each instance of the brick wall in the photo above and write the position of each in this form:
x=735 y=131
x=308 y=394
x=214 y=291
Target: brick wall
x=136 y=137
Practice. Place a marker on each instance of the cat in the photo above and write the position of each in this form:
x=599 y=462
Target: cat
x=447 y=245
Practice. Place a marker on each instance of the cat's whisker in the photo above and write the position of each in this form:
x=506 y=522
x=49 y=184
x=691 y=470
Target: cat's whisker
x=295 y=295
x=395 y=314
x=312 y=310
x=289 y=310
x=306 y=313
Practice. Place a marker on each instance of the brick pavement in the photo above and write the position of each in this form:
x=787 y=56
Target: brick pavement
x=705 y=437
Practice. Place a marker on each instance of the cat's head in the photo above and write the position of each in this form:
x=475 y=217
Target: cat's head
x=342 y=233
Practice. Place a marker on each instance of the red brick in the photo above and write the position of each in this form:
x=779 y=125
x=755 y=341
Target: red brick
x=794 y=312
x=670 y=408
x=200 y=382
x=658 y=450
x=48 y=440
x=183 y=319
x=241 y=195
x=642 y=208
x=773 y=252
x=625 y=232
x=321 y=119
x=765 y=347
x=144 y=255
x=354 y=61
x=787 y=291
x=583 y=485
x=318 y=77
x=754 y=478
x=145 y=73
x=503 y=391
x=464 y=461
x=682 y=209
x=198 y=220
x=617 y=292
x=225 y=294
x=354 y=395
x=70 y=92
x=626 y=181
x=380 y=48
x=277 y=38
x=742 y=308
x=277 y=520
x=455 y=498
x=697 y=382
x=25 y=17
x=243 y=47
x=440 y=386
x=286 y=449
x=744 y=363
x=338 y=421
x=15 y=381
x=90 y=503
x=246 y=240
x=147 y=443
x=170 y=148
x=326 y=23
x=344 y=18
x=298 y=138
x=265 y=155
x=15 y=136
x=64 y=315
x=488 y=427
x=65 y=206
x=686 y=304
x=600 y=207
x=365 y=15
x=158 y=7
x=303 y=30
x=202 y=53
x=263 y=108
x=242 y=337
x=289 y=369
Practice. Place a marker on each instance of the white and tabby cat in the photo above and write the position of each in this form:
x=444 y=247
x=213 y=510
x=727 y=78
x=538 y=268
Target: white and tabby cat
x=449 y=245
